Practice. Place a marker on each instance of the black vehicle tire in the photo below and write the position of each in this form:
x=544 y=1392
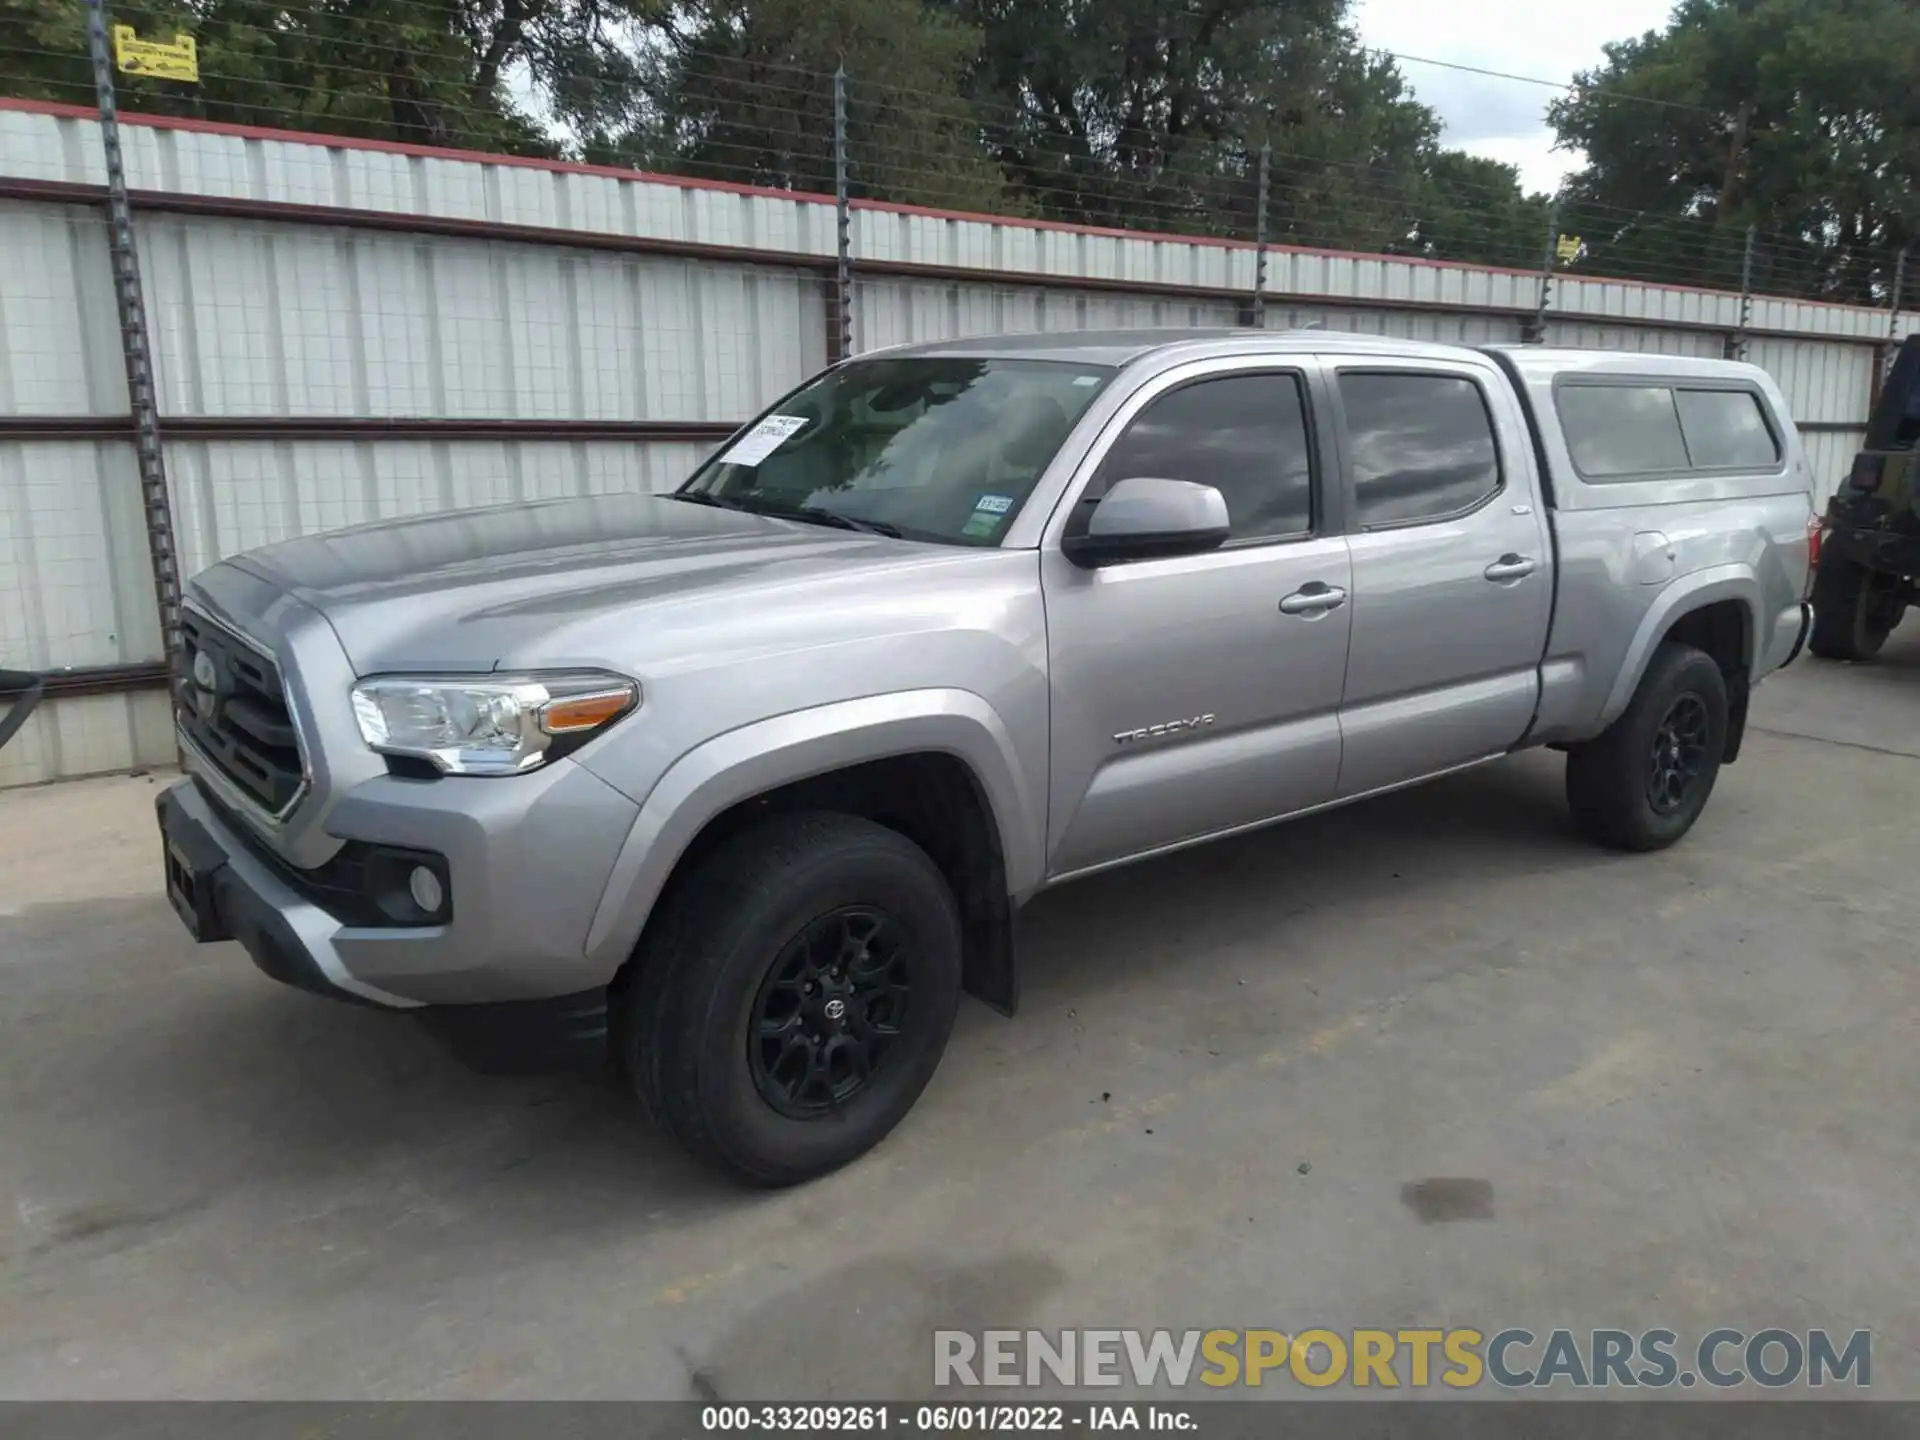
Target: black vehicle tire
x=733 y=946
x=1854 y=610
x=1645 y=780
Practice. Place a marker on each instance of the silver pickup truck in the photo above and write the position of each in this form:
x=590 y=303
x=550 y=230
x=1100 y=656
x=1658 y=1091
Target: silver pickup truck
x=741 y=787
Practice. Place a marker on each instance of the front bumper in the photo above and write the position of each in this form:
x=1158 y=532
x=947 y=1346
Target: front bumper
x=498 y=1000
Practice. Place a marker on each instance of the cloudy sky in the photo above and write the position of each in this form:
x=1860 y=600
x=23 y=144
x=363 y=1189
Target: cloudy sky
x=1500 y=118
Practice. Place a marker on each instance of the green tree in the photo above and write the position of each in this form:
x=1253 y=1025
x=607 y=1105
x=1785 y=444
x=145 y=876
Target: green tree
x=1474 y=209
x=1135 y=112
x=743 y=90
x=1797 y=117
x=436 y=71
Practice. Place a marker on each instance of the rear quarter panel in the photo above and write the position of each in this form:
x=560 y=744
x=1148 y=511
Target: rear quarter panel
x=1635 y=556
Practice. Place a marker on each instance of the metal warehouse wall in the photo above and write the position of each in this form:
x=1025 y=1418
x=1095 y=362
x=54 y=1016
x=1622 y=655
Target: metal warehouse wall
x=345 y=331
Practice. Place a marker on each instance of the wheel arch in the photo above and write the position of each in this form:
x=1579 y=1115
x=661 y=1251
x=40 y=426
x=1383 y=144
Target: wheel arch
x=937 y=765
x=1718 y=611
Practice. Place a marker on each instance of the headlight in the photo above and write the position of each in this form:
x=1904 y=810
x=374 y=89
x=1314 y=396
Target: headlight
x=488 y=725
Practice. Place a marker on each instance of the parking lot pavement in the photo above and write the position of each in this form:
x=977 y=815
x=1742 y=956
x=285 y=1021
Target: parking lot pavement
x=1687 y=1080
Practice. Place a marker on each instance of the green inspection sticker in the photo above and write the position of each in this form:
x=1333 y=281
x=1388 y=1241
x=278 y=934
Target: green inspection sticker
x=981 y=524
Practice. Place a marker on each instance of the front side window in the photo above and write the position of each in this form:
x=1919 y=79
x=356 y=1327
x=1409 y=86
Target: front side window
x=1423 y=446
x=1245 y=435
x=936 y=448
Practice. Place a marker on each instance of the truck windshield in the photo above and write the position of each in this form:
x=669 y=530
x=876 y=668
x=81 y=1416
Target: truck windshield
x=935 y=448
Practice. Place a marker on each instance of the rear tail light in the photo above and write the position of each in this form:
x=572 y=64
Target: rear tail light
x=1816 y=531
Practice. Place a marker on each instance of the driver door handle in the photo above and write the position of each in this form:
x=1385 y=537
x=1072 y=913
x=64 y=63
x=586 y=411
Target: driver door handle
x=1314 y=598
x=1509 y=567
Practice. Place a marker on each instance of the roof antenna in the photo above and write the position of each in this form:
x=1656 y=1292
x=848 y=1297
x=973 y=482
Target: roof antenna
x=1314 y=325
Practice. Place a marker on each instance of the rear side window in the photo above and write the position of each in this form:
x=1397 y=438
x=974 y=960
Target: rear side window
x=1615 y=430
x=1725 y=430
x=1619 y=432
x=1423 y=446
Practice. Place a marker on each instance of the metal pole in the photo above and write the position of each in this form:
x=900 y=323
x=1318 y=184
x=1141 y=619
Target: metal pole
x=1893 y=305
x=133 y=343
x=1260 y=241
x=1746 y=299
x=843 y=222
x=1537 y=333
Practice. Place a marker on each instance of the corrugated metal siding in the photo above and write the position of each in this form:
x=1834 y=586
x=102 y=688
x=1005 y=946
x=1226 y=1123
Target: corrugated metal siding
x=1824 y=384
x=235 y=495
x=1830 y=454
x=282 y=318
x=59 y=337
x=258 y=319
x=76 y=590
x=1576 y=335
x=75 y=585
x=903 y=312
x=89 y=735
x=608 y=202
x=1400 y=324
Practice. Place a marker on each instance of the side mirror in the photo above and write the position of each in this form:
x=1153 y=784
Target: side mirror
x=1144 y=518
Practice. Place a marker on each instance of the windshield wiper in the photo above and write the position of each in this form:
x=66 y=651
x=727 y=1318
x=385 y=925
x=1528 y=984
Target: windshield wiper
x=820 y=515
x=701 y=497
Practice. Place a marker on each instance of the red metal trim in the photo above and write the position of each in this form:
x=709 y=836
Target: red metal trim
x=360 y=427
x=614 y=172
x=173 y=202
x=401 y=147
x=401 y=222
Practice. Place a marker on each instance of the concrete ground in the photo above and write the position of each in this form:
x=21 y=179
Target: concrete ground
x=1686 y=1083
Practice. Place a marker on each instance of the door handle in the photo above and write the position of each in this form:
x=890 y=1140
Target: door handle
x=1314 y=598
x=1509 y=567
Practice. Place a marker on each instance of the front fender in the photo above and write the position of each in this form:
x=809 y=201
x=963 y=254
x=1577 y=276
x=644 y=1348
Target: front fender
x=1689 y=592
x=767 y=754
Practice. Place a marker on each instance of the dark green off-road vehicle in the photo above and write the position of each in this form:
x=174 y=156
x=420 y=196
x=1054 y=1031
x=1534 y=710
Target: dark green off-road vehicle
x=1868 y=571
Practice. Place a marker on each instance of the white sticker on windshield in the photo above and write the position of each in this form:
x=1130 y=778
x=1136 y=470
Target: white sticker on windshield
x=765 y=438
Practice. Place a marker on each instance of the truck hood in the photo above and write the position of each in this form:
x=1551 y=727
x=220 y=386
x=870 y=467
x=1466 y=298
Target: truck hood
x=558 y=582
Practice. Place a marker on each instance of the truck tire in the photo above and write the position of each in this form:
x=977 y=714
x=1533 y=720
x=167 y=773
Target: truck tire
x=793 y=996
x=1854 y=610
x=1644 y=781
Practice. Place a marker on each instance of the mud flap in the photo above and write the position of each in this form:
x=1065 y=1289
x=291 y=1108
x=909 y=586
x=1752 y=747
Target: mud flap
x=989 y=970
x=1739 y=692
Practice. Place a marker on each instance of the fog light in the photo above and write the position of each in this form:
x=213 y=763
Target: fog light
x=426 y=889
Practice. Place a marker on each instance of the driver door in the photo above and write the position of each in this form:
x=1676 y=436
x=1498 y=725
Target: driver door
x=1196 y=695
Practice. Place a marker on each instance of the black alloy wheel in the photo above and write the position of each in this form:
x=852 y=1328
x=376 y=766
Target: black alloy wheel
x=831 y=1012
x=1680 y=751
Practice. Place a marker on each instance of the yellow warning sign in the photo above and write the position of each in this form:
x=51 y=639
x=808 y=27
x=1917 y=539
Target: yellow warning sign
x=1567 y=247
x=176 y=61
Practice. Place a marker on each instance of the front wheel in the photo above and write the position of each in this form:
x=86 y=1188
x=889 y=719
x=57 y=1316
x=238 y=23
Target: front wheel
x=1645 y=780
x=794 y=996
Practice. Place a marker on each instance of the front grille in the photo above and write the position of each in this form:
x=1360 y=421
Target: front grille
x=231 y=703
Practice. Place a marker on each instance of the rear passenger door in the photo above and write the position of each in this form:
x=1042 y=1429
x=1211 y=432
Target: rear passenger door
x=1452 y=570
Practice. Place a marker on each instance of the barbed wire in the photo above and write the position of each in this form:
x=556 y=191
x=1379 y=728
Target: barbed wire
x=704 y=114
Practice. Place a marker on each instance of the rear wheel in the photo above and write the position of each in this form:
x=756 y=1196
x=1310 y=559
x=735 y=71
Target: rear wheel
x=1854 y=609
x=794 y=996
x=1643 y=783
